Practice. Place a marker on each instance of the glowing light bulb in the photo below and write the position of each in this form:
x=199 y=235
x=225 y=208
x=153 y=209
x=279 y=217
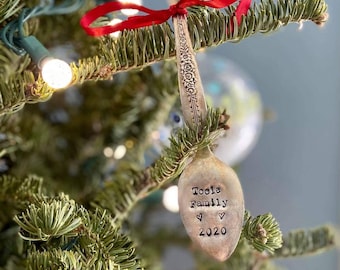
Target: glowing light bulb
x=108 y=152
x=56 y=73
x=129 y=12
x=113 y=22
x=170 y=199
x=119 y=152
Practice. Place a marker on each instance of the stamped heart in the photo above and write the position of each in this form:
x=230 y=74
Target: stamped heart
x=208 y=188
x=221 y=215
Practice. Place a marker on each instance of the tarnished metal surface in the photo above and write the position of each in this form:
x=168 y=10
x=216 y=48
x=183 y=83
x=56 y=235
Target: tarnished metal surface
x=211 y=205
x=190 y=86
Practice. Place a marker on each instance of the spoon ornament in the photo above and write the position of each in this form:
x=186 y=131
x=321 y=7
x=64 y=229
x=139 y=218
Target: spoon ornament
x=210 y=195
x=211 y=204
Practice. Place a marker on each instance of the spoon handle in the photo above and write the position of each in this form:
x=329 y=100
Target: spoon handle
x=190 y=86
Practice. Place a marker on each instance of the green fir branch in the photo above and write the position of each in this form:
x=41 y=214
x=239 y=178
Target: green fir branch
x=208 y=27
x=10 y=141
x=17 y=90
x=16 y=195
x=162 y=235
x=136 y=49
x=47 y=220
x=11 y=246
x=260 y=236
x=244 y=257
x=141 y=101
x=185 y=143
x=10 y=63
x=9 y=8
x=54 y=259
x=59 y=232
x=140 y=104
x=100 y=234
x=120 y=195
x=263 y=233
x=307 y=242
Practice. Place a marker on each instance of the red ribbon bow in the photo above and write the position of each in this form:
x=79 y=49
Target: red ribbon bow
x=153 y=16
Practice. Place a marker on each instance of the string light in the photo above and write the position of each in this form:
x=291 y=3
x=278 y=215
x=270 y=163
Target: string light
x=108 y=152
x=170 y=199
x=113 y=22
x=129 y=12
x=120 y=152
x=55 y=72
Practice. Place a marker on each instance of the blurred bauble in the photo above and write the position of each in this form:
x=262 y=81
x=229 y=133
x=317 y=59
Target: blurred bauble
x=227 y=86
x=160 y=137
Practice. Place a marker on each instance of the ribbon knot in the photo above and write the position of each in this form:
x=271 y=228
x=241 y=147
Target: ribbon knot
x=152 y=16
x=177 y=9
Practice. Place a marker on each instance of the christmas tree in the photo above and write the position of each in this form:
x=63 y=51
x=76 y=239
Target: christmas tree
x=79 y=185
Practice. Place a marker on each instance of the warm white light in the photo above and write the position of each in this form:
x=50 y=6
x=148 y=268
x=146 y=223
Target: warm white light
x=170 y=199
x=119 y=152
x=56 y=73
x=108 y=152
x=155 y=135
x=113 y=22
x=129 y=12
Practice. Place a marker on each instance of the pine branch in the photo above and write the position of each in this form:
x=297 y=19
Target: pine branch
x=263 y=233
x=146 y=106
x=185 y=143
x=17 y=90
x=11 y=246
x=59 y=232
x=120 y=195
x=307 y=242
x=9 y=8
x=10 y=141
x=16 y=194
x=208 y=27
x=46 y=220
x=54 y=259
x=10 y=63
x=162 y=236
x=139 y=48
x=132 y=106
x=244 y=257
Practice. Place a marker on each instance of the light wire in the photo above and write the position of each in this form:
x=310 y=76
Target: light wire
x=13 y=32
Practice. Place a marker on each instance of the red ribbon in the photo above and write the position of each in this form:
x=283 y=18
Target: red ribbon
x=153 y=16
